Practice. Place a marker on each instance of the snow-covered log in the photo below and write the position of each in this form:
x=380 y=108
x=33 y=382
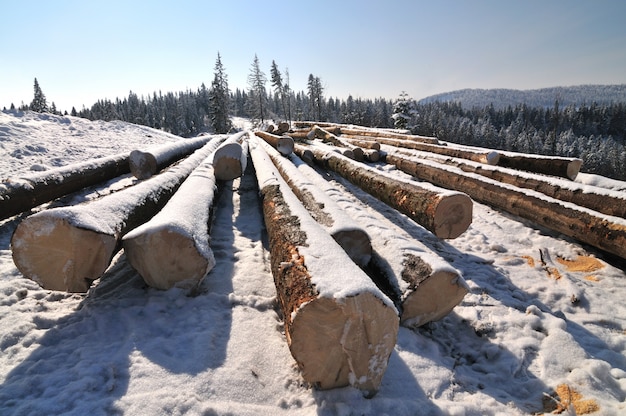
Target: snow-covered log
x=172 y=248
x=341 y=329
x=328 y=137
x=304 y=153
x=444 y=213
x=592 y=197
x=28 y=191
x=564 y=167
x=145 y=163
x=604 y=232
x=387 y=134
x=486 y=157
x=67 y=248
x=423 y=285
x=230 y=159
x=284 y=144
x=366 y=143
x=345 y=231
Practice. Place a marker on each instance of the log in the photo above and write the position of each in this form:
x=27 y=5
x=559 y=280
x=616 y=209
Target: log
x=68 y=248
x=284 y=144
x=282 y=128
x=328 y=137
x=366 y=144
x=486 y=157
x=172 y=248
x=25 y=192
x=304 y=153
x=604 y=232
x=446 y=214
x=592 y=197
x=423 y=286
x=377 y=133
x=145 y=163
x=230 y=158
x=340 y=328
x=564 y=167
x=352 y=238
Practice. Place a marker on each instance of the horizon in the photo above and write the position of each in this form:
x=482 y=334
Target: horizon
x=95 y=51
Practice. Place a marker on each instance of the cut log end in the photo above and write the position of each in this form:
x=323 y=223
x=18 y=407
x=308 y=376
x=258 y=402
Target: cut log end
x=453 y=216
x=59 y=256
x=491 y=158
x=356 y=243
x=227 y=168
x=142 y=164
x=285 y=145
x=433 y=299
x=150 y=255
x=573 y=168
x=344 y=344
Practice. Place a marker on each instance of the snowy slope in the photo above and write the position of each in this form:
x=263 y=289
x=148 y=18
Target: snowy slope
x=124 y=348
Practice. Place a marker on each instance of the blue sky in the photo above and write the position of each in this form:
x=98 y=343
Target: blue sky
x=81 y=51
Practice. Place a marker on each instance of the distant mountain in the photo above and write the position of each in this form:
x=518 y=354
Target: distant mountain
x=544 y=97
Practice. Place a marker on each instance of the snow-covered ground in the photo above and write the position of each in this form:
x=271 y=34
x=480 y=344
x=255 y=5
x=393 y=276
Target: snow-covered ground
x=520 y=336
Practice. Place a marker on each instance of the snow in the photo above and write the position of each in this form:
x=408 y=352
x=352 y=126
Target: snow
x=124 y=348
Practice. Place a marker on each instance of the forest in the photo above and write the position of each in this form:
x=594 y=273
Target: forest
x=591 y=125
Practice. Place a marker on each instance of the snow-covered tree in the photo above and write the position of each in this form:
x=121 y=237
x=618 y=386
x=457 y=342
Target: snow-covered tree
x=404 y=112
x=316 y=98
x=39 y=103
x=280 y=88
x=219 y=98
x=258 y=94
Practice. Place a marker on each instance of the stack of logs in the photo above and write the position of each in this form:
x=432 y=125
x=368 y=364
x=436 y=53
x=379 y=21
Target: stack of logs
x=340 y=331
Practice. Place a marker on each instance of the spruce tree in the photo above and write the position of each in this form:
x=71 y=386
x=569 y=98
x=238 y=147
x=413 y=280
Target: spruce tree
x=403 y=112
x=39 y=103
x=280 y=88
x=219 y=98
x=258 y=95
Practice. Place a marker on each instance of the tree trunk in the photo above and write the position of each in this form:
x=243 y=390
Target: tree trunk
x=304 y=153
x=367 y=143
x=340 y=328
x=230 y=159
x=284 y=144
x=21 y=194
x=606 y=233
x=592 y=197
x=328 y=137
x=67 y=248
x=563 y=167
x=145 y=163
x=377 y=133
x=423 y=286
x=488 y=158
x=352 y=238
x=445 y=214
x=172 y=249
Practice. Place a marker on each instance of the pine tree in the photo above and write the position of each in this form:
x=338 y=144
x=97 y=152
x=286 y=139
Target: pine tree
x=281 y=89
x=219 y=98
x=39 y=103
x=258 y=95
x=315 y=95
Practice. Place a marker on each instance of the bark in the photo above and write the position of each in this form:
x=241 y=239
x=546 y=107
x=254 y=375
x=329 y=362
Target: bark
x=327 y=305
x=231 y=157
x=172 y=248
x=556 y=166
x=67 y=248
x=446 y=214
x=284 y=144
x=603 y=232
x=145 y=163
x=423 y=285
x=364 y=143
x=328 y=137
x=21 y=194
x=352 y=238
x=591 y=197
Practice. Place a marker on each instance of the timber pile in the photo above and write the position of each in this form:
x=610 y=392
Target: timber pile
x=335 y=264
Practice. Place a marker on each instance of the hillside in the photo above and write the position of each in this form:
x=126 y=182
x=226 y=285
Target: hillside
x=543 y=328
x=544 y=97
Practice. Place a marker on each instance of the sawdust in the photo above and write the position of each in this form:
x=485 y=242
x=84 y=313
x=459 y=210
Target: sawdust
x=586 y=264
x=566 y=398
